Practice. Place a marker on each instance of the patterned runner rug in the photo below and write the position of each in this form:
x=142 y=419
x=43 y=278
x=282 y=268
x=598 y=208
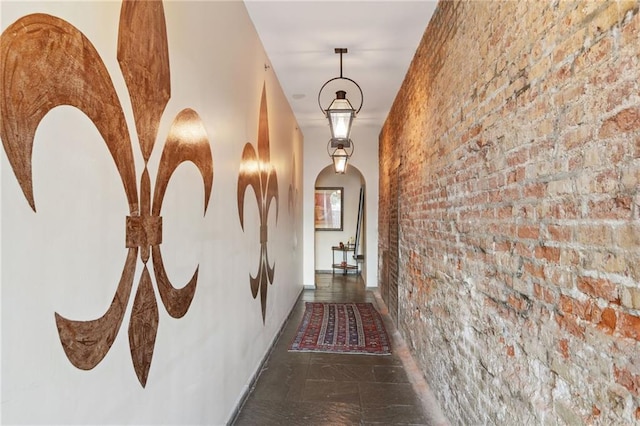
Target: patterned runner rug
x=354 y=328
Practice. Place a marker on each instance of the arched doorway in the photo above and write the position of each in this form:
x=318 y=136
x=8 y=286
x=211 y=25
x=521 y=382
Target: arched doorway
x=353 y=222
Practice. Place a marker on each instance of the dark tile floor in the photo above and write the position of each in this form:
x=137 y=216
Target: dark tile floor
x=296 y=388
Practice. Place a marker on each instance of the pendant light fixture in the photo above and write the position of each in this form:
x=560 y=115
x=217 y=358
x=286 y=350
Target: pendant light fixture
x=340 y=114
x=340 y=155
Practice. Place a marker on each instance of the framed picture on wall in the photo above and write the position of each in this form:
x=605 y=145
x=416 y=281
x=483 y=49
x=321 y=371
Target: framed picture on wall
x=328 y=208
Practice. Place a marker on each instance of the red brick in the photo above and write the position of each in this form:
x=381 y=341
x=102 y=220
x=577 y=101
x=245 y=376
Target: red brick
x=509 y=194
x=550 y=296
x=537 y=190
x=611 y=208
x=502 y=246
x=559 y=233
x=596 y=53
x=532 y=232
x=563 y=344
x=629 y=325
x=535 y=271
x=598 y=287
x=608 y=320
x=538 y=291
x=520 y=174
x=625 y=121
x=516 y=302
x=503 y=212
x=566 y=304
x=510 y=351
x=627 y=379
x=585 y=310
x=519 y=157
x=565 y=209
x=552 y=254
x=560 y=77
x=523 y=250
x=568 y=323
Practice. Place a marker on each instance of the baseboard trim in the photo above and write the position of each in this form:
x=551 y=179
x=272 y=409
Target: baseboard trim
x=256 y=373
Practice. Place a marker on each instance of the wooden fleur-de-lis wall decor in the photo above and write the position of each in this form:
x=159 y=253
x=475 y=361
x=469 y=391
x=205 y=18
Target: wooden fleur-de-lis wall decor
x=256 y=171
x=46 y=62
x=293 y=201
x=293 y=191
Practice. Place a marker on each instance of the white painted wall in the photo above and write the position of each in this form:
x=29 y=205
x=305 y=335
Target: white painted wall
x=68 y=257
x=365 y=159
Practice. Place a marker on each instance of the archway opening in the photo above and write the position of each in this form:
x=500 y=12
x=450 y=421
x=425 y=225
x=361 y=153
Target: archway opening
x=340 y=248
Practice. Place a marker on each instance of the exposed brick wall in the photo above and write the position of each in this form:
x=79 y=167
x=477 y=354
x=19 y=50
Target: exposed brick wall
x=517 y=137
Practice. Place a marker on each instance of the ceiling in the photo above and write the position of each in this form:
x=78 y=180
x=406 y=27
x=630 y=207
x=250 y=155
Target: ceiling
x=300 y=36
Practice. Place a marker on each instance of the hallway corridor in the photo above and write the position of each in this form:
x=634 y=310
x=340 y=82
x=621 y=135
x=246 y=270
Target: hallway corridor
x=296 y=388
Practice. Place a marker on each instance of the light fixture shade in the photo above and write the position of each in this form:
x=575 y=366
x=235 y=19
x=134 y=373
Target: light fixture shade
x=340 y=158
x=340 y=114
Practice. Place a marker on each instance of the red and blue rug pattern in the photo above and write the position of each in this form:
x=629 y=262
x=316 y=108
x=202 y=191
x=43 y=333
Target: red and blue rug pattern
x=354 y=328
